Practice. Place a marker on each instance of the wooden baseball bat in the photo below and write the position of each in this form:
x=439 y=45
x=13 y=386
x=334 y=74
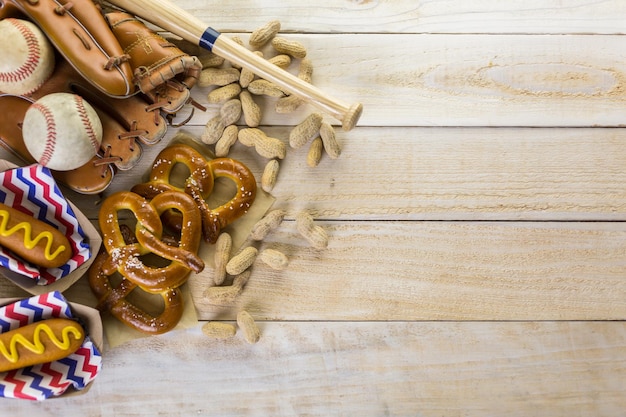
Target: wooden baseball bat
x=174 y=19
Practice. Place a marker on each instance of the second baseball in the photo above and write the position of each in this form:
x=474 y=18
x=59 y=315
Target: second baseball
x=62 y=131
x=27 y=57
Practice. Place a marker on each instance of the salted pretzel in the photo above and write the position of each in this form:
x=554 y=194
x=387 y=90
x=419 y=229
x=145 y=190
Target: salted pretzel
x=200 y=172
x=113 y=299
x=199 y=185
x=125 y=257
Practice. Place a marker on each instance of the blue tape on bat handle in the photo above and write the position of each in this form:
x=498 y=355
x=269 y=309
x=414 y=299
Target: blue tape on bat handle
x=208 y=38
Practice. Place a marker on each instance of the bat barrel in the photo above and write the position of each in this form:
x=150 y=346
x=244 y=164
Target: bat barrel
x=348 y=114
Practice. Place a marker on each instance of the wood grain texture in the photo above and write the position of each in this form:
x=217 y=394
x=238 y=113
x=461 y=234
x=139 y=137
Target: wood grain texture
x=443 y=174
x=439 y=271
x=476 y=220
x=366 y=369
x=468 y=80
x=430 y=271
x=420 y=16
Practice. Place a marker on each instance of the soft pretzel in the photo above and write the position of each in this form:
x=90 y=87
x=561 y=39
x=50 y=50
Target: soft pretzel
x=199 y=184
x=200 y=172
x=113 y=299
x=125 y=256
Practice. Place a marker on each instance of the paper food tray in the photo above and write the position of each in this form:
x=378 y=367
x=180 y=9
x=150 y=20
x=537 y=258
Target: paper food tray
x=93 y=238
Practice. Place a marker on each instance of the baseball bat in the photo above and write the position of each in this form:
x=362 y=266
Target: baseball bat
x=174 y=19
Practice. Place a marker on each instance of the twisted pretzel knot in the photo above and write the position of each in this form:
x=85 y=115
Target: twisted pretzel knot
x=199 y=185
x=113 y=299
x=125 y=258
x=124 y=249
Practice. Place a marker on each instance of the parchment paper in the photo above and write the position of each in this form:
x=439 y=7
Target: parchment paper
x=116 y=332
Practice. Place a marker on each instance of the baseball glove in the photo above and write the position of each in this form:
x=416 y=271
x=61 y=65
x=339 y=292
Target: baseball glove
x=132 y=108
x=162 y=72
x=127 y=124
x=115 y=52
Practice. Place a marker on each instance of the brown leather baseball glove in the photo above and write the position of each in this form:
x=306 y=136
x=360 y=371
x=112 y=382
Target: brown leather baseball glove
x=162 y=72
x=115 y=52
x=132 y=82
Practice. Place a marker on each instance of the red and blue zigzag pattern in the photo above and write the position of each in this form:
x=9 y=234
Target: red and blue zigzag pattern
x=32 y=190
x=46 y=380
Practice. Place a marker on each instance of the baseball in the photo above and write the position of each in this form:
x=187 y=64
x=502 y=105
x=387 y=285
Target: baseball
x=27 y=57
x=62 y=131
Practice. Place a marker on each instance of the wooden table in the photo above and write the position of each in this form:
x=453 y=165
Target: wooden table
x=476 y=220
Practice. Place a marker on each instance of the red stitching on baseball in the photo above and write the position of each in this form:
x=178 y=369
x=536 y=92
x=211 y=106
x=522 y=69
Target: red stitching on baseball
x=51 y=138
x=32 y=60
x=84 y=118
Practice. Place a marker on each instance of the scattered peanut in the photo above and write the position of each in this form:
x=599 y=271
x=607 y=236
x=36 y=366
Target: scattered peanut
x=223 y=246
x=213 y=130
x=217 y=76
x=226 y=141
x=306 y=130
x=219 y=330
x=265 y=146
x=266 y=224
x=270 y=175
x=314 y=155
x=248 y=326
x=265 y=88
x=247 y=75
x=230 y=112
x=221 y=94
x=227 y=295
x=264 y=34
x=288 y=104
x=329 y=139
x=305 y=71
x=316 y=235
x=251 y=110
x=242 y=261
x=275 y=259
x=291 y=103
x=223 y=296
x=237 y=39
x=289 y=47
x=241 y=280
x=210 y=60
x=282 y=61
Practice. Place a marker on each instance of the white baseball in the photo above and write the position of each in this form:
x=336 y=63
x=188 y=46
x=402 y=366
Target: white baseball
x=27 y=57
x=62 y=131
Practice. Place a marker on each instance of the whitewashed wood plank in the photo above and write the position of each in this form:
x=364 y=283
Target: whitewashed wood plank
x=365 y=369
x=468 y=80
x=439 y=271
x=384 y=269
x=431 y=271
x=443 y=174
x=409 y=16
x=460 y=174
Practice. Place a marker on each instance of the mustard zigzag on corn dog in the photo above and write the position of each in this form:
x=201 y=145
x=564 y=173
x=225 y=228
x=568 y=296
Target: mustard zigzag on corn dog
x=32 y=239
x=39 y=342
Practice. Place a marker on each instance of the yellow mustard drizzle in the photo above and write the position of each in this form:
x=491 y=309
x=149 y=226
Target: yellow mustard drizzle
x=36 y=346
x=29 y=242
